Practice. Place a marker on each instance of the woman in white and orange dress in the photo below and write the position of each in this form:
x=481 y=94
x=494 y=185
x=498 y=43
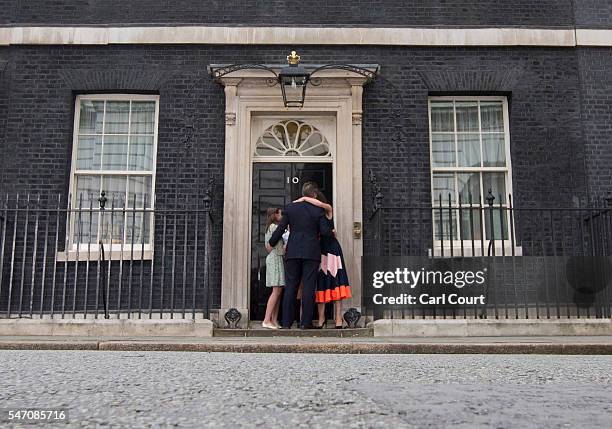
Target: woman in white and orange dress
x=332 y=283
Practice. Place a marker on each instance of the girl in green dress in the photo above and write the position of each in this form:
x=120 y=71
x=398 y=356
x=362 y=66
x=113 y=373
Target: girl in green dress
x=275 y=270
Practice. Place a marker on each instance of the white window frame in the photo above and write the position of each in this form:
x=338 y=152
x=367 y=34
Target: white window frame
x=444 y=246
x=115 y=250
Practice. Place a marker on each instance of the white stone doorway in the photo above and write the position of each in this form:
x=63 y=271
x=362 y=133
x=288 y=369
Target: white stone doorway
x=252 y=107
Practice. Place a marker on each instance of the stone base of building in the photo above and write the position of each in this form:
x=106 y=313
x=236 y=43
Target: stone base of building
x=490 y=328
x=107 y=327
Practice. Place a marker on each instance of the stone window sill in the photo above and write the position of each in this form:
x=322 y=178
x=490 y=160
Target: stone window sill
x=506 y=250
x=126 y=255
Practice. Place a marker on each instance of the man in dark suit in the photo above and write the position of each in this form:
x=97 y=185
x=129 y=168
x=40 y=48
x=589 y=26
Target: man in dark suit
x=303 y=256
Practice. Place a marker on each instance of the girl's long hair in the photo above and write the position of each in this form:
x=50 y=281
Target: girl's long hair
x=321 y=197
x=271 y=216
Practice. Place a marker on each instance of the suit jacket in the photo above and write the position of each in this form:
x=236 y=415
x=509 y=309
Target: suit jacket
x=307 y=222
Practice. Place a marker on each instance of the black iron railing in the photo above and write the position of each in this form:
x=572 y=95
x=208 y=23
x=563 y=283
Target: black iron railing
x=545 y=262
x=104 y=259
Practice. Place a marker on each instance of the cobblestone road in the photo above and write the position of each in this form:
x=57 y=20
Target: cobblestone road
x=169 y=389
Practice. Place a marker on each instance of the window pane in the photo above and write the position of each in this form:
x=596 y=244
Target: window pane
x=113 y=221
x=89 y=152
x=443 y=150
x=500 y=223
x=492 y=116
x=497 y=183
x=467 y=116
x=90 y=117
x=269 y=145
x=445 y=224
x=87 y=187
x=468 y=150
x=312 y=144
x=115 y=187
x=139 y=187
x=87 y=194
x=469 y=187
x=494 y=150
x=141 y=153
x=115 y=153
x=442 y=116
x=117 y=117
x=140 y=233
x=265 y=151
x=112 y=226
x=143 y=117
x=443 y=185
x=470 y=222
x=86 y=226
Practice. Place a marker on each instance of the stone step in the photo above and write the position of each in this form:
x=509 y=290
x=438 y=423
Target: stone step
x=258 y=331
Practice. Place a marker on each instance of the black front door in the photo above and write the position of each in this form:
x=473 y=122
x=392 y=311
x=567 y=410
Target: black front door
x=276 y=185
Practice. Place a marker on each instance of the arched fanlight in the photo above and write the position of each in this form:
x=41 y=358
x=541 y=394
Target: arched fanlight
x=294 y=78
x=292 y=137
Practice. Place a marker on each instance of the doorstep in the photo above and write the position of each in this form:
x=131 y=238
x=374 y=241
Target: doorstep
x=259 y=332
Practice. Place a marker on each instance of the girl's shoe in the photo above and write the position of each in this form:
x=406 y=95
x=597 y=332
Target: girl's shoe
x=322 y=325
x=268 y=326
x=339 y=327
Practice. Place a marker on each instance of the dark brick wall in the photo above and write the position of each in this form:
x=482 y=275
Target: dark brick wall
x=4 y=105
x=593 y=13
x=7 y=11
x=596 y=79
x=43 y=84
x=545 y=139
x=541 y=13
x=543 y=85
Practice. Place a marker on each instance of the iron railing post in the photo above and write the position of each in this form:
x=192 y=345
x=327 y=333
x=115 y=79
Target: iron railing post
x=207 y=246
x=101 y=257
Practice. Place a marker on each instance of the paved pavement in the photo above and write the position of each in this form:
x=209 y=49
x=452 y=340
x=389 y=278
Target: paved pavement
x=194 y=390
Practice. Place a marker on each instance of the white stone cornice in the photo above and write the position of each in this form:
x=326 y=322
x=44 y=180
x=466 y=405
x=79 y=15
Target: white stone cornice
x=5 y=36
x=594 y=37
x=98 y=35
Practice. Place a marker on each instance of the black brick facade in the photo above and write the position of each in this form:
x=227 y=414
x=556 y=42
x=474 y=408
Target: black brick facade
x=559 y=98
x=556 y=157
x=593 y=13
x=456 y=13
x=4 y=90
x=596 y=93
x=544 y=87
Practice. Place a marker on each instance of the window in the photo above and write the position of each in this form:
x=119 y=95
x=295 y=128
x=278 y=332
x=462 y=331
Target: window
x=470 y=154
x=115 y=141
x=292 y=138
